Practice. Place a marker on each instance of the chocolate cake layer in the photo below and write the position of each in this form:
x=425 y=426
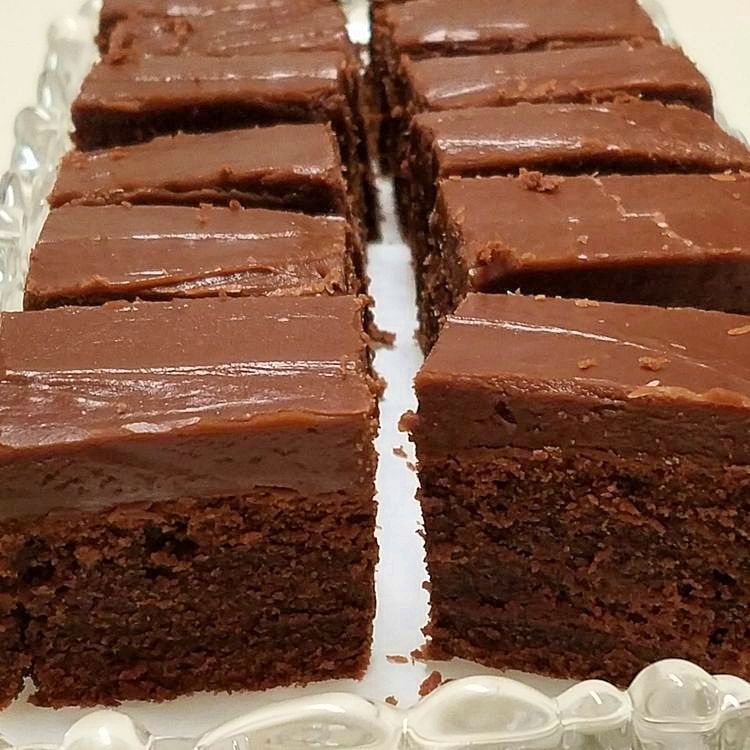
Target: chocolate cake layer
x=594 y=453
x=577 y=74
x=261 y=30
x=625 y=137
x=88 y=255
x=671 y=240
x=192 y=506
x=293 y=167
x=440 y=28
x=114 y=11
x=140 y=98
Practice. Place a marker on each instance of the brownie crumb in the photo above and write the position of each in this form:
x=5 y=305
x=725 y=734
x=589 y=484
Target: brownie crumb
x=411 y=466
x=653 y=364
x=539 y=182
x=397 y=659
x=408 y=422
x=582 y=239
x=235 y=205
x=379 y=337
x=741 y=331
x=586 y=303
x=399 y=451
x=587 y=363
x=430 y=684
x=391 y=700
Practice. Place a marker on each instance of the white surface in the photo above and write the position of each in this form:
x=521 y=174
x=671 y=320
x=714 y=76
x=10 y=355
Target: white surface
x=716 y=35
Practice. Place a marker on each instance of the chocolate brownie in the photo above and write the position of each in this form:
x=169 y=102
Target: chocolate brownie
x=439 y=28
x=262 y=30
x=191 y=507
x=115 y=11
x=671 y=240
x=139 y=98
x=585 y=478
x=626 y=137
x=576 y=74
x=292 y=167
x=88 y=255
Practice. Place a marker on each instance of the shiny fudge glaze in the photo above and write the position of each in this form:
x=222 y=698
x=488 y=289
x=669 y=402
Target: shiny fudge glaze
x=87 y=254
x=631 y=136
x=579 y=223
x=428 y=26
x=154 y=401
x=258 y=31
x=650 y=71
x=287 y=166
x=114 y=11
x=575 y=374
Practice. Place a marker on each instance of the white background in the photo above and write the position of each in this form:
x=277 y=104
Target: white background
x=715 y=33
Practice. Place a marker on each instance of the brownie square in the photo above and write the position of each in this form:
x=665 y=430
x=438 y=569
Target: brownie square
x=115 y=11
x=192 y=506
x=260 y=30
x=142 y=97
x=626 y=137
x=91 y=255
x=290 y=167
x=672 y=240
x=574 y=74
x=585 y=476
x=440 y=28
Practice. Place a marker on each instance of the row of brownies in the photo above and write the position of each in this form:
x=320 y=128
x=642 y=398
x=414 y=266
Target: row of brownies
x=188 y=407
x=584 y=465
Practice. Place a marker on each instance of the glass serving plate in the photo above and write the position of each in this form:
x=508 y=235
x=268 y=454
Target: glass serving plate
x=672 y=705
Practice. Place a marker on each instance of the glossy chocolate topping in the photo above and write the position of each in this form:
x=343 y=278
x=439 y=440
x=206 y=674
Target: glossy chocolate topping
x=637 y=136
x=252 y=32
x=155 y=84
x=91 y=254
x=605 y=222
x=146 y=401
x=287 y=166
x=580 y=374
x=576 y=74
x=117 y=10
x=510 y=335
x=430 y=26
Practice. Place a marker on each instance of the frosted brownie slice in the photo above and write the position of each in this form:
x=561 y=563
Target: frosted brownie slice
x=291 y=167
x=440 y=28
x=191 y=506
x=89 y=255
x=140 y=98
x=115 y=11
x=259 y=30
x=671 y=240
x=630 y=137
x=585 y=474
x=577 y=74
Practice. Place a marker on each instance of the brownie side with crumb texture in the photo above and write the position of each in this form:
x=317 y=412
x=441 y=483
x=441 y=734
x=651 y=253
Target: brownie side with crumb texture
x=585 y=481
x=191 y=510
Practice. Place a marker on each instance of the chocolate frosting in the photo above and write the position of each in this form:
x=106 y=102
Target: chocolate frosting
x=155 y=84
x=602 y=222
x=429 y=26
x=287 y=166
x=117 y=10
x=265 y=29
x=577 y=74
x=577 y=374
x=91 y=254
x=637 y=136
x=145 y=401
